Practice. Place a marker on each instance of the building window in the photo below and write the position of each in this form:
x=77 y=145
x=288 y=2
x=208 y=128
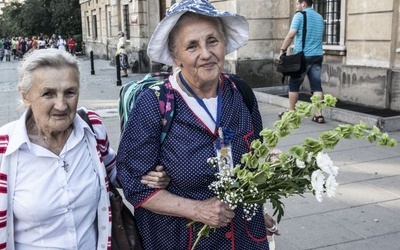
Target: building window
x=88 y=25
x=126 y=22
x=94 y=27
x=330 y=11
x=108 y=20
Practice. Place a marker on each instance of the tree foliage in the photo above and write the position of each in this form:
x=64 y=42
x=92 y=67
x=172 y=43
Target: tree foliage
x=41 y=17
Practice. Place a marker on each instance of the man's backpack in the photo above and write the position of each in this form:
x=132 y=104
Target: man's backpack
x=159 y=83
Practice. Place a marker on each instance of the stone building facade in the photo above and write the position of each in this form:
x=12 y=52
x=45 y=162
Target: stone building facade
x=361 y=45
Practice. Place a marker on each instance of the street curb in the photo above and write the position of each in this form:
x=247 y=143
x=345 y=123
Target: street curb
x=272 y=95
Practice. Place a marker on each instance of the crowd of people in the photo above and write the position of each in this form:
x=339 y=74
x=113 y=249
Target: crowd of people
x=17 y=47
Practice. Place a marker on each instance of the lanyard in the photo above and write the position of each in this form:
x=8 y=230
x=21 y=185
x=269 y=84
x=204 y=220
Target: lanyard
x=201 y=102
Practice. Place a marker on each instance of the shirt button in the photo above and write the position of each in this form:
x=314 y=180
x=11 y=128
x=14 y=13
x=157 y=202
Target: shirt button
x=103 y=246
x=103 y=227
x=228 y=235
x=104 y=209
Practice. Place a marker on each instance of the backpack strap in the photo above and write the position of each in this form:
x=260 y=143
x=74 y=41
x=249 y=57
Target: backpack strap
x=243 y=88
x=166 y=101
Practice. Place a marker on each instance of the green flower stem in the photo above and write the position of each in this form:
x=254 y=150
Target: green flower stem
x=204 y=231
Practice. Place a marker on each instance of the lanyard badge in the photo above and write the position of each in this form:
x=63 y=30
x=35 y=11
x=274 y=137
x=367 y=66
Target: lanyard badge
x=223 y=149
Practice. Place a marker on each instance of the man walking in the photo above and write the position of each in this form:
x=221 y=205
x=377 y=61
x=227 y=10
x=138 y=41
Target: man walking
x=312 y=51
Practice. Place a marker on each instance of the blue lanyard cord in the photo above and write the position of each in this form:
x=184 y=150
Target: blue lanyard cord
x=201 y=102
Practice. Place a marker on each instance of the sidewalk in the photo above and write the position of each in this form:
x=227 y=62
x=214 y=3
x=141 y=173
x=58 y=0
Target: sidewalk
x=365 y=214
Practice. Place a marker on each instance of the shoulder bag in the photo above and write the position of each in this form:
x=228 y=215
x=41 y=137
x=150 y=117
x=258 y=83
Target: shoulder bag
x=294 y=65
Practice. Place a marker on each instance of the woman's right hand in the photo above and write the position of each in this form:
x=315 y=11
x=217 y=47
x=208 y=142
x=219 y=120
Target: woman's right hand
x=156 y=179
x=213 y=213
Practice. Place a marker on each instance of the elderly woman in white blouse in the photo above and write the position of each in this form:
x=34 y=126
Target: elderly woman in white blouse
x=54 y=171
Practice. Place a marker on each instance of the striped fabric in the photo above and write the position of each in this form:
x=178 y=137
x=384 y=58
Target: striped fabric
x=10 y=141
x=315 y=31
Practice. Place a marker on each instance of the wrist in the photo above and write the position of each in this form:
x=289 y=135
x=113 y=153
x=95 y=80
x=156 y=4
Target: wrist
x=283 y=50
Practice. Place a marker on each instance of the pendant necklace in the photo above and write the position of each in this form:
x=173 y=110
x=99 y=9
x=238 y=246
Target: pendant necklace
x=65 y=165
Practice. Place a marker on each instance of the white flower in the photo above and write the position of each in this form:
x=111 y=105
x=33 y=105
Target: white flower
x=318 y=196
x=318 y=180
x=300 y=164
x=325 y=163
x=309 y=157
x=330 y=186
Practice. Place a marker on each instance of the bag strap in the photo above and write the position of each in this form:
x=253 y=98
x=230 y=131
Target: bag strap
x=244 y=89
x=165 y=96
x=303 y=39
x=82 y=113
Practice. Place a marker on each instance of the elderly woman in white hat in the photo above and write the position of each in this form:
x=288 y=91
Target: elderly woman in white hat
x=208 y=106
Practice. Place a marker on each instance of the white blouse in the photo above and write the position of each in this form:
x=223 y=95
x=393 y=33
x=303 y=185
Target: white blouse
x=61 y=211
x=200 y=112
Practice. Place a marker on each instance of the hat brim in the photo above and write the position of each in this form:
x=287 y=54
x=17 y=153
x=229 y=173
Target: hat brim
x=236 y=28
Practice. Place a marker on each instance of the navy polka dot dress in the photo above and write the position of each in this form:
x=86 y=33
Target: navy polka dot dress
x=184 y=155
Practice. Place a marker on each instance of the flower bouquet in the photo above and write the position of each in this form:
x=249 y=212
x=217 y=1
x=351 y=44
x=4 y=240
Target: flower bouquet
x=267 y=175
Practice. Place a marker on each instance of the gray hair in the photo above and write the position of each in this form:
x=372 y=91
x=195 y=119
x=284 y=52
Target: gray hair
x=52 y=58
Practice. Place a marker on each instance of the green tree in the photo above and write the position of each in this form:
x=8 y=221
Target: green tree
x=11 y=21
x=66 y=17
x=35 y=17
x=37 y=13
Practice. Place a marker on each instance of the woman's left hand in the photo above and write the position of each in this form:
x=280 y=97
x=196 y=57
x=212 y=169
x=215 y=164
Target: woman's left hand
x=156 y=179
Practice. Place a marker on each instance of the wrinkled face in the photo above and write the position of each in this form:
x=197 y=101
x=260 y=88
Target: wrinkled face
x=200 y=51
x=53 y=98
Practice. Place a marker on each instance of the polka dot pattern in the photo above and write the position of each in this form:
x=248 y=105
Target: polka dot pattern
x=184 y=153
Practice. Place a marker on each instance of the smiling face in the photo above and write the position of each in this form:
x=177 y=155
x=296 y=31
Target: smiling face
x=53 y=98
x=200 y=50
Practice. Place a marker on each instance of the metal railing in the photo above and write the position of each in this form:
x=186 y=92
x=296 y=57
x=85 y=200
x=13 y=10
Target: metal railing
x=330 y=11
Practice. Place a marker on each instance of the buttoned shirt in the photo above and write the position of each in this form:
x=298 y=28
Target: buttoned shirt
x=54 y=205
x=13 y=142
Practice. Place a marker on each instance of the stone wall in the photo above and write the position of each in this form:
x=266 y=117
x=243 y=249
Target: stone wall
x=363 y=68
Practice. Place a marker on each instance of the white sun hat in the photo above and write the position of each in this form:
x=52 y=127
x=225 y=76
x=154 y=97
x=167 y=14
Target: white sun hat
x=236 y=28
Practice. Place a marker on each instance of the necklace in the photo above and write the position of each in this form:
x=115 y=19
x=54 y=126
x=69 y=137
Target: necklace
x=38 y=138
x=65 y=165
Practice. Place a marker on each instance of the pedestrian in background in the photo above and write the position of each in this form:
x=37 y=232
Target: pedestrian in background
x=41 y=42
x=61 y=43
x=123 y=57
x=1 y=49
x=7 y=49
x=71 y=45
x=312 y=50
x=195 y=37
x=53 y=42
x=14 y=47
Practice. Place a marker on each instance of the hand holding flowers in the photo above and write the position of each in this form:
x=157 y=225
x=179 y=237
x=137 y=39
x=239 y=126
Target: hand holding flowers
x=267 y=174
